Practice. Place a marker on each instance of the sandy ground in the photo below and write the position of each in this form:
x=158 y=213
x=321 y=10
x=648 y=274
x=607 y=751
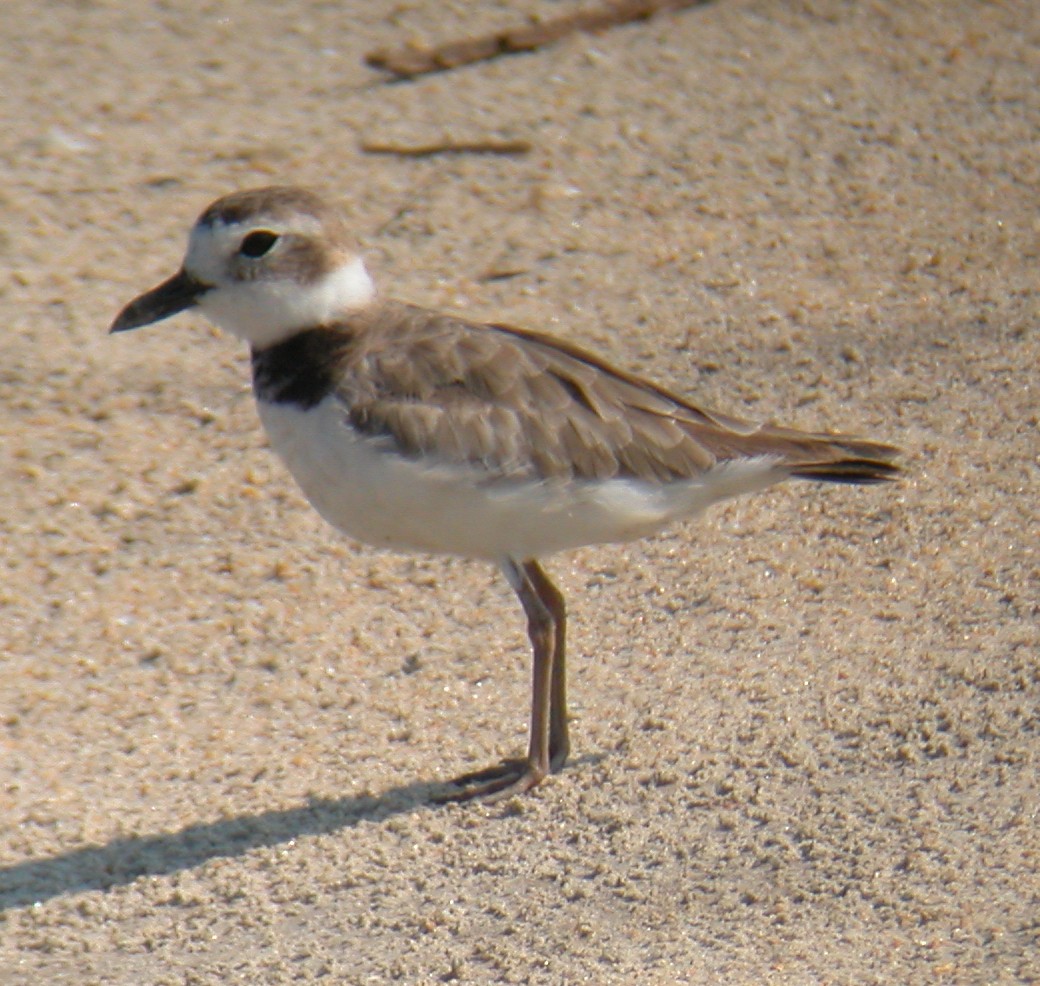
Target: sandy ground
x=807 y=728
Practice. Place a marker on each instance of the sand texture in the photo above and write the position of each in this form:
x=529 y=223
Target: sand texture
x=807 y=728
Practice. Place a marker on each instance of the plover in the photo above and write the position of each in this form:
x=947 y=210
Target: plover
x=415 y=430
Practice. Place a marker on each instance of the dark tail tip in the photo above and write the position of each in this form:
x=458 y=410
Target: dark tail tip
x=859 y=472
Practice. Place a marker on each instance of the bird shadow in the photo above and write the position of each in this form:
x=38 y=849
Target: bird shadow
x=123 y=860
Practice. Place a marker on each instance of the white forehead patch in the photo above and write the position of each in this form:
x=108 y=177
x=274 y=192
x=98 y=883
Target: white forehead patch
x=209 y=247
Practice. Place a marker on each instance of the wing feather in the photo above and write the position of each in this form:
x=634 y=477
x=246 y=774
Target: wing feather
x=520 y=405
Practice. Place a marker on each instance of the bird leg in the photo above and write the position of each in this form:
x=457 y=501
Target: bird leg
x=552 y=599
x=549 y=743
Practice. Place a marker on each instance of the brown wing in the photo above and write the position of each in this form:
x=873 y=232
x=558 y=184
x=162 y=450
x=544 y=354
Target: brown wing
x=523 y=405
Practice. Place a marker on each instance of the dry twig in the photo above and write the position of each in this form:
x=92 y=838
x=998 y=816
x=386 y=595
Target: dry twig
x=486 y=146
x=411 y=60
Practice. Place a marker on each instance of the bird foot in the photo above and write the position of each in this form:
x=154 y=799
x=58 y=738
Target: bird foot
x=494 y=783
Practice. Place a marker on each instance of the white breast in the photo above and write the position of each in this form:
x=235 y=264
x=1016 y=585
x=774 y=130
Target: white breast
x=389 y=501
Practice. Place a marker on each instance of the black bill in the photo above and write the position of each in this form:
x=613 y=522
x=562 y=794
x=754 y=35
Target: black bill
x=179 y=293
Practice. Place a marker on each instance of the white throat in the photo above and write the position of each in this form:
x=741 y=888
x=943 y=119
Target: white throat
x=264 y=312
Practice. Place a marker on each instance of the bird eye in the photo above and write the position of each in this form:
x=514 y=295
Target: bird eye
x=257 y=243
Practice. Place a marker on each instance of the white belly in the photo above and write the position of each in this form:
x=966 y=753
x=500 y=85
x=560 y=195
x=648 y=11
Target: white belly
x=389 y=501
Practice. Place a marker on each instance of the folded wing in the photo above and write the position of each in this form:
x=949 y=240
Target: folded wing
x=521 y=406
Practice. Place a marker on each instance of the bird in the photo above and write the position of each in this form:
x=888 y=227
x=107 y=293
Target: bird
x=421 y=431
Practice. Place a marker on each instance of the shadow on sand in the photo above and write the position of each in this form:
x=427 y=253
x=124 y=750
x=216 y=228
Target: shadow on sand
x=124 y=860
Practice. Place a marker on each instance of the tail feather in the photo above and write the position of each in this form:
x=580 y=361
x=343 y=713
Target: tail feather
x=844 y=459
x=858 y=472
x=830 y=458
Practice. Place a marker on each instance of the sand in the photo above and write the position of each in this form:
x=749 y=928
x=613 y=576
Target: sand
x=806 y=728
